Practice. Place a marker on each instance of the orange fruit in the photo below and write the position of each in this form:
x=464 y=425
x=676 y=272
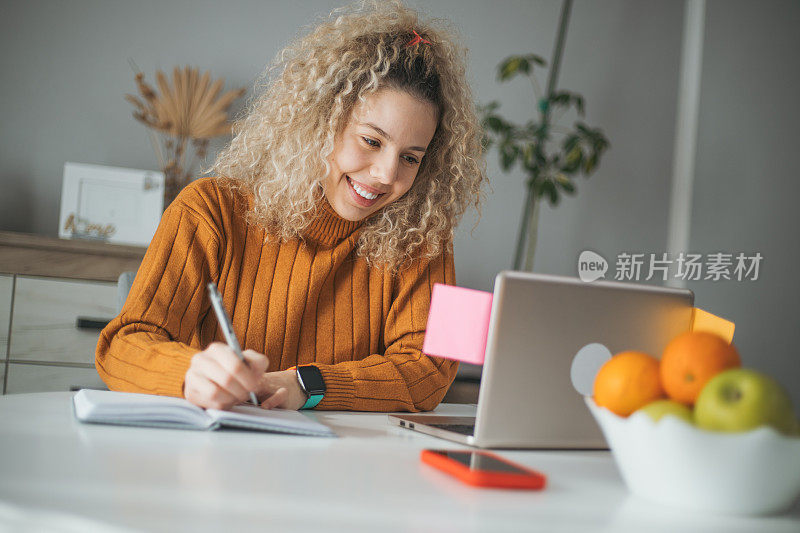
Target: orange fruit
x=691 y=359
x=627 y=381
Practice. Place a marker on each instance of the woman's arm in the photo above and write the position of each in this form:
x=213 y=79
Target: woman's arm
x=149 y=346
x=402 y=378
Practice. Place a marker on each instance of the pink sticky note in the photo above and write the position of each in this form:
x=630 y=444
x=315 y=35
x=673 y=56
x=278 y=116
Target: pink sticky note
x=458 y=323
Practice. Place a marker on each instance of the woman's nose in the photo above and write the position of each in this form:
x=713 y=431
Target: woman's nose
x=384 y=169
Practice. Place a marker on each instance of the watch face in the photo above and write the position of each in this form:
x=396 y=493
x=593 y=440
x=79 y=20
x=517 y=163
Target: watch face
x=311 y=379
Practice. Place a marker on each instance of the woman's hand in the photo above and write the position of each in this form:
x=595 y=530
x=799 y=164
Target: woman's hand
x=217 y=379
x=281 y=389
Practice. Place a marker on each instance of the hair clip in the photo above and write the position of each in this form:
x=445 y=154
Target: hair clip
x=416 y=39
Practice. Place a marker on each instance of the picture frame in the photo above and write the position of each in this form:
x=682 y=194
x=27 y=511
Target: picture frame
x=110 y=204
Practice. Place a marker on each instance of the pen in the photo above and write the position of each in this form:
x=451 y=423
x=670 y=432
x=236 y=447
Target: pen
x=227 y=328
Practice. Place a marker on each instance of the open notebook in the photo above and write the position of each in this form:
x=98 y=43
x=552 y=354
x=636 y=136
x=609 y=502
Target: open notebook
x=132 y=409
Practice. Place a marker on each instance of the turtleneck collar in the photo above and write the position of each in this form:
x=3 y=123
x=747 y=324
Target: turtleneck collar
x=328 y=228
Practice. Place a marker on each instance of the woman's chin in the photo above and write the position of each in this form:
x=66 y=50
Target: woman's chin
x=350 y=212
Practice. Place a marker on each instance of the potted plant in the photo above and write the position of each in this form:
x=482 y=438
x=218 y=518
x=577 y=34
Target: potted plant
x=550 y=154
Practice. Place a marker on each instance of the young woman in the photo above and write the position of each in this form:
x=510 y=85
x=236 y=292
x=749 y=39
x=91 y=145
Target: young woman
x=330 y=220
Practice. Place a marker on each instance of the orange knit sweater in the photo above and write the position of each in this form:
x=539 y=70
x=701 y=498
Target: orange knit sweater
x=297 y=302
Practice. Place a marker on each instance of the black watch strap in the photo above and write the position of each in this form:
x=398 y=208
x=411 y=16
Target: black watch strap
x=312 y=383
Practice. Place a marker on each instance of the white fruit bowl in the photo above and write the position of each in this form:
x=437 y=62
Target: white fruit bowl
x=672 y=462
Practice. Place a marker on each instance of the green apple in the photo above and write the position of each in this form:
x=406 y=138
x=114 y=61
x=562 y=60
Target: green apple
x=661 y=408
x=741 y=399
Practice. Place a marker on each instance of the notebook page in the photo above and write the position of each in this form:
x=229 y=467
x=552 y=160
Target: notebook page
x=132 y=408
x=279 y=420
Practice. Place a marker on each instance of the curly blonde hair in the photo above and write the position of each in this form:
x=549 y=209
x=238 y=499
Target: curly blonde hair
x=281 y=147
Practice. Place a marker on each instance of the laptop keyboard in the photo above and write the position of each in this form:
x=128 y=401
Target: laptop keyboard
x=464 y=429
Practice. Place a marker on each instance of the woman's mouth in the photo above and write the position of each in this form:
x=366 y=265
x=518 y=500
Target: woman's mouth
x=361 y=195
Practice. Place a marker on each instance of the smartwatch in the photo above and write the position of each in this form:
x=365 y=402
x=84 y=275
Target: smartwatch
x=313 y=385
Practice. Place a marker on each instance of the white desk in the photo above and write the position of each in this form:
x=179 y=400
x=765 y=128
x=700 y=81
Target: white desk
x=59 y=475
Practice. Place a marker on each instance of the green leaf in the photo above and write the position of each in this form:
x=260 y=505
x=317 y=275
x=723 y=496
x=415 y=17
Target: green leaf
x=575 y=155
x=541 y=159
x=511 y=66
x=494 y=123
x=601 y=143
x=566 y=99
x=508 y=155
x=539 y=60
x=590 y=163
x=541 y=155
x=533 y=179
x=528 y=155
x=529 y=130
x=534 y=160
x=570 y=142
x=565 y=183
x=571 y=167
x=536 y=187
x=549 y=188
x=541 y=131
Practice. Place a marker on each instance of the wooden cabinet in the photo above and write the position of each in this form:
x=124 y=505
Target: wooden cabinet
x=47 y=351
x=45 y=286
x=48 y=377
x=6 y=289
x=45 y=316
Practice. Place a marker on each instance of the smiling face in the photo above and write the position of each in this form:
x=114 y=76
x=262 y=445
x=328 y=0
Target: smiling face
x=376 y=158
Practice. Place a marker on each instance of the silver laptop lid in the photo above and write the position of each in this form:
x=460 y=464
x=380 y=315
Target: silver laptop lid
x=538 y=324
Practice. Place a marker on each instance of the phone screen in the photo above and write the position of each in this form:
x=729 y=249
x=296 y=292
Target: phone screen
x=479 y=461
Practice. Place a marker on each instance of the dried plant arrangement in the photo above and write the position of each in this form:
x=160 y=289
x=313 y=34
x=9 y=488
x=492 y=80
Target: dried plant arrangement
x=187 y=111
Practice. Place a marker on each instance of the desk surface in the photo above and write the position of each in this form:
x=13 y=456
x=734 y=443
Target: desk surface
x=58 y=474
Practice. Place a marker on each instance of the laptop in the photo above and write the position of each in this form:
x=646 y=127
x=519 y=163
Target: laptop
x=538 y=323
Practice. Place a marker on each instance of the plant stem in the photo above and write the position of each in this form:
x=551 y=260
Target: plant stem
x=182 y=159
x=189 y=166
x=533 y=230
x=530 y=215
x=559 y=48
x=156 y=147
x=522 y=228
x=537 y=91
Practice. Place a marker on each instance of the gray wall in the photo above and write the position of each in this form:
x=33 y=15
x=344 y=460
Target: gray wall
x=68 y=70
x=624 y=58
x=65 y=70
x=746 y=184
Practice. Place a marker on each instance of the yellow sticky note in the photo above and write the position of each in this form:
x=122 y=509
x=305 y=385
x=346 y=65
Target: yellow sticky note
x=705 y=321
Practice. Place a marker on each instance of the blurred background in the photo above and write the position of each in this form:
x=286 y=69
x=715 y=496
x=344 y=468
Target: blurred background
x=65 y=69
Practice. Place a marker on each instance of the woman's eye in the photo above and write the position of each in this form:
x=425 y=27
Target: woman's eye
x=375 y=144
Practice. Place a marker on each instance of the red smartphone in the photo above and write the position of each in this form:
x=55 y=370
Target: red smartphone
x=484 y=469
